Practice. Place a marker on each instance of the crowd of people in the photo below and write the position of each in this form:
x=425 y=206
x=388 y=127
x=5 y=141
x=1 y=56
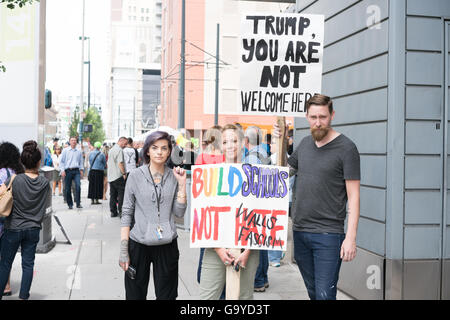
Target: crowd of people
x=147 y=186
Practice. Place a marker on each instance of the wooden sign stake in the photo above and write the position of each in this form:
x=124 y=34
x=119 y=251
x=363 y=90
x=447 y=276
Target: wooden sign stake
x=233 y=279
x=281 y=142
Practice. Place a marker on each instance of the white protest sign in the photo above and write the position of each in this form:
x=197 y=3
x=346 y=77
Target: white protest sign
x=280 y=63
x=239 y=206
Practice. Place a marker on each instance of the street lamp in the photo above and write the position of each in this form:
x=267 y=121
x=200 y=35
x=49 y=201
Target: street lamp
x=82 y=116
x=89 y=69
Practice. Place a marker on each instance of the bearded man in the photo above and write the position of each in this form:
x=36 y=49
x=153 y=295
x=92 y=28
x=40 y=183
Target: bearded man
x=327 y=164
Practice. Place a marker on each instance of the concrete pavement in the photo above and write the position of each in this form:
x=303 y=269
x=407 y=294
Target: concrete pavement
x=88 y=269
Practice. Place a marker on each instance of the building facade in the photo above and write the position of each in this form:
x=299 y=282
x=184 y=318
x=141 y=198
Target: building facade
x=386 y=66
x=202 y=17
x=135 y=47
x=22 y=52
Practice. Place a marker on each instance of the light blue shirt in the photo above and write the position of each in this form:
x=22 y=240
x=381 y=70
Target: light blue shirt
x=71 y=158
x=100 y=161
x=252 y=156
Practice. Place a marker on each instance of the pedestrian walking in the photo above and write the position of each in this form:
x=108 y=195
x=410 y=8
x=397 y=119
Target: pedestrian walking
x=9 y=165
x=116 y=177
x=105 y=151
x=275 y=256
x=217 y=260
x=130 y=156
x=71 y=166
x=328 y=177
x=97 y=163
x=30 y=201
x=154 y=194
x=56 y=156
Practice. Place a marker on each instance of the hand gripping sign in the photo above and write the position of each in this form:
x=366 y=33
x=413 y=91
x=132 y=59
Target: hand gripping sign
x=239 y=206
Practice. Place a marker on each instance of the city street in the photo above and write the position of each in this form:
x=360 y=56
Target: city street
x=88 y=269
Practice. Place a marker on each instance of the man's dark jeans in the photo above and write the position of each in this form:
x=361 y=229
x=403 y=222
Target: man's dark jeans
x=261 y=277
x=318 y=258
x=72 y=175
x=116 y=193
x=11 y=240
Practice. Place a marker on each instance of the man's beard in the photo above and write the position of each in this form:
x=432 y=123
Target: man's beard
x=319 y=133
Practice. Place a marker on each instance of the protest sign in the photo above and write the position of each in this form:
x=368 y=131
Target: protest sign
x=239 y=206
x=280 y=63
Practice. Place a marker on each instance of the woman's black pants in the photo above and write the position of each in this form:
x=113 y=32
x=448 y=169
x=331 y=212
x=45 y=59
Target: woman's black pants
x=165 y=270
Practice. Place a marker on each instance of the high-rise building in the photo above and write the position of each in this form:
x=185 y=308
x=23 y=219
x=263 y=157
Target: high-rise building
x=135 y=47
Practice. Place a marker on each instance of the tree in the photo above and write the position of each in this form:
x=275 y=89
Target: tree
x=92 y=117
x=11 y=4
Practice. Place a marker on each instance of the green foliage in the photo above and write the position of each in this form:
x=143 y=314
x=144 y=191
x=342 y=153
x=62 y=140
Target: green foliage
x=11 y=4
x=92 y=117
x=73 y=129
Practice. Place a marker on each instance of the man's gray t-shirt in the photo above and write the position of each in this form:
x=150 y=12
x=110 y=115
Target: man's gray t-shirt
x=321 y=195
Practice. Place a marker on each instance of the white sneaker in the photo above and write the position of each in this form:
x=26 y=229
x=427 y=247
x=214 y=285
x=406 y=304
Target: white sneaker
x=275 y=264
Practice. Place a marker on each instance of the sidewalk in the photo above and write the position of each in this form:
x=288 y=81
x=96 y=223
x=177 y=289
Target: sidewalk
x=89 y=270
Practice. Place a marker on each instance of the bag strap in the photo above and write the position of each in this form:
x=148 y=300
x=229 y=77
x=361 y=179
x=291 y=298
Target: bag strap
x=11 y=181
x=95 y=158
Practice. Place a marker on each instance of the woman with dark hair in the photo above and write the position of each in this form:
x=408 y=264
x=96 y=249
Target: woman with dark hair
x=30 y=193
x=154 y=193
x=9 y=166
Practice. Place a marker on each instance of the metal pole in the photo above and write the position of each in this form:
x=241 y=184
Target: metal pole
x=118 y=123
x=182 y=67
x=82 y=78
x=89 y=73
x=216 y=107
x=134 y=118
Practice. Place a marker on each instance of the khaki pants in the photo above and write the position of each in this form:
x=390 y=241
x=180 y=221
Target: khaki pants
x=212 y=280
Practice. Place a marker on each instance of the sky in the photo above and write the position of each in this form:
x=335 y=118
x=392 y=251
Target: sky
x=63 y=63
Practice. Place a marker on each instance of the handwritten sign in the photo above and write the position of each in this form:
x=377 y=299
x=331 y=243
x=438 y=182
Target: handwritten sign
x=239 y=206
x=280 y=63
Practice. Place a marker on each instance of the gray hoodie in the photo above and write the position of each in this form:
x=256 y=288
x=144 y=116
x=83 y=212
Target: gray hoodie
x=30 y=200
x=139 y=210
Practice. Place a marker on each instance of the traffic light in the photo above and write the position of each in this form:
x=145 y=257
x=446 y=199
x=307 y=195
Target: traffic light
x=48 y=99
x=87 y=128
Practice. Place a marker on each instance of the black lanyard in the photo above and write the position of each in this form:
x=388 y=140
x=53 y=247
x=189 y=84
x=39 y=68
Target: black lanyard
x=158 y=197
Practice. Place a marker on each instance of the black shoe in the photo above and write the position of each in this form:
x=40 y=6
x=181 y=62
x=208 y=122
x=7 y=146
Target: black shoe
x=92 y=201
x=70 y=207
x=97 y=202
x=7 y=293
x=113 y=215
x=79 y=206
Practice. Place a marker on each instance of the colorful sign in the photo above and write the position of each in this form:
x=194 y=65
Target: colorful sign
x=239 y=206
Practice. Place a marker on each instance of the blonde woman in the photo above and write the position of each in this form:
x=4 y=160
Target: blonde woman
x=217 y=260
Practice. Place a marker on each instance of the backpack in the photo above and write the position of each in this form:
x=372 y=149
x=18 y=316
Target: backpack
x=6 y=197
x=48 y=158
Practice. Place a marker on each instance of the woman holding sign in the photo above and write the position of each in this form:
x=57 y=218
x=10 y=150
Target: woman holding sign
x=216 y=261
x=153 y=195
